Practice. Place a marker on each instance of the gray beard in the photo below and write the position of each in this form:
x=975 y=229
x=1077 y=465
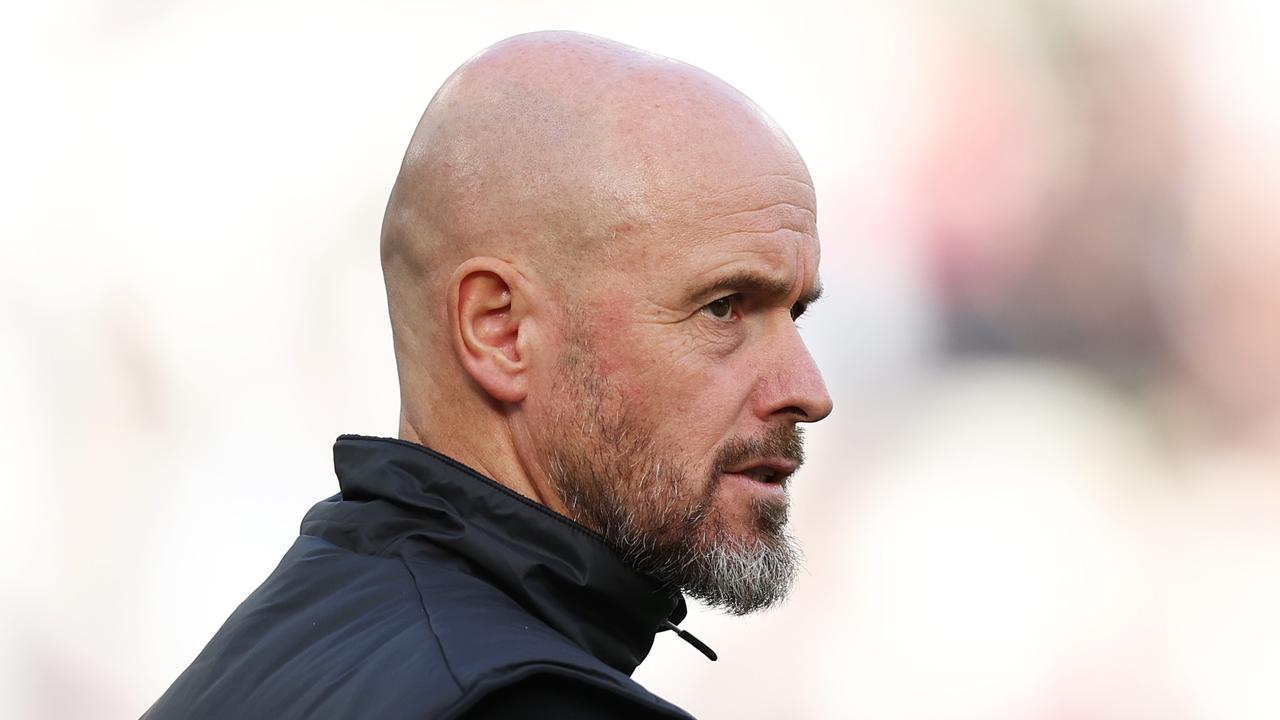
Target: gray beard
x=611 y=478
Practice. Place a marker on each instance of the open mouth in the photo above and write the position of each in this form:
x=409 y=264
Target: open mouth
x=768 y=472
x=763 y=474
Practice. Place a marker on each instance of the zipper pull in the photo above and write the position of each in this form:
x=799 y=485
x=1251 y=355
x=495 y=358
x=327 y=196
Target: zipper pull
x=689 y=638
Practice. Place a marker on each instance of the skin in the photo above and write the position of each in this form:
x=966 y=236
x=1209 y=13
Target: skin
x=574 y=212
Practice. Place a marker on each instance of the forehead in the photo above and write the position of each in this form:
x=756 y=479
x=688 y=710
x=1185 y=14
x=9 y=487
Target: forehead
x=767 y=219
x=708 y=165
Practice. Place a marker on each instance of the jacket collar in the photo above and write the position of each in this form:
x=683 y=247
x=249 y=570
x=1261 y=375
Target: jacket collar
x=560 y=571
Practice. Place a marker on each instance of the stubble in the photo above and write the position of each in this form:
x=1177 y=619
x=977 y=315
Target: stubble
x=613 y=477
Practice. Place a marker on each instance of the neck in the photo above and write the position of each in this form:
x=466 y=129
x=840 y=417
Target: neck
x=488 y=447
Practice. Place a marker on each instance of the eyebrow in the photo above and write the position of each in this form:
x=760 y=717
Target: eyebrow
x=808 y=298
x=765 y=285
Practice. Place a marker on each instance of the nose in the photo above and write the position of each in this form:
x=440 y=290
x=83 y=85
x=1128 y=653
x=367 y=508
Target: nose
x=793 y=388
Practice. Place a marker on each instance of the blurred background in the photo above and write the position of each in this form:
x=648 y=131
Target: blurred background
x=1052 y=258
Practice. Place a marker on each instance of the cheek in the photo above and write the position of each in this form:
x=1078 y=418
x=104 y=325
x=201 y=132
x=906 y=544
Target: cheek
x=694 y=405
x=666 y=376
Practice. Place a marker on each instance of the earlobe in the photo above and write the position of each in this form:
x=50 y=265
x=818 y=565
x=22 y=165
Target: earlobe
x=486 y=310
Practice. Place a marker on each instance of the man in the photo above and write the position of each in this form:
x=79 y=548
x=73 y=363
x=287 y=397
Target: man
x=594 y=257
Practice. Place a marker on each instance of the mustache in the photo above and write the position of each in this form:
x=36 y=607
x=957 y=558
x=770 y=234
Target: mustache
x=782 y=441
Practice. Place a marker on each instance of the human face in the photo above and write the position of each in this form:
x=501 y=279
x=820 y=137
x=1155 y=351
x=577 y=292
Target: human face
x=680 y=390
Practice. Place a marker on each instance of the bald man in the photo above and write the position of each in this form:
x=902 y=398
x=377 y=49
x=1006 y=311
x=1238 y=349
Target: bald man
x=594 y=258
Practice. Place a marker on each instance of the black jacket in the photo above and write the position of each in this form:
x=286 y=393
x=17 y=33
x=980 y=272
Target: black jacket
x=425 y=590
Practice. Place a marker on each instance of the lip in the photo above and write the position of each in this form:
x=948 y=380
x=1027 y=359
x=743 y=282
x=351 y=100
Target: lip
x=781 y=467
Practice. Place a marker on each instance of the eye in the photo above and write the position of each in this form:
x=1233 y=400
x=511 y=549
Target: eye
x=722 y=308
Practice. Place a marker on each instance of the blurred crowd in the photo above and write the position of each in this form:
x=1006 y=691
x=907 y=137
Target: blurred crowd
x=1103 y=201
x=1070 y=505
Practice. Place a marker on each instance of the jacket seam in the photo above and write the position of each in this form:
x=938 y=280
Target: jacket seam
x=426 y=614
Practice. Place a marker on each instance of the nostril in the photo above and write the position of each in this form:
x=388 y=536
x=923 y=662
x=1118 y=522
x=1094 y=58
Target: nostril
x=797 y=411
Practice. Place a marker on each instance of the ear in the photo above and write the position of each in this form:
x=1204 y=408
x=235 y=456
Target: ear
x=487 y=308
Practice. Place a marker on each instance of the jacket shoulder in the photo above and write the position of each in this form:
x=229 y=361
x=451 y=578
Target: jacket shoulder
x=328 y=633
x=553 y=695
x=334 y=633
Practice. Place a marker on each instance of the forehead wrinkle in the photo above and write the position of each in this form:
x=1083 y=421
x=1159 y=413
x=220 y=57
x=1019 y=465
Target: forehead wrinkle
x=781 y=205
x=797 y=186
x=767 y=219
x=763 y=203
x=761 y=191
x=717 y=249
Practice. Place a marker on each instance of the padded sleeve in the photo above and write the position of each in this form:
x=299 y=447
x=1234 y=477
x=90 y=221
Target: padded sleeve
x=552 y=696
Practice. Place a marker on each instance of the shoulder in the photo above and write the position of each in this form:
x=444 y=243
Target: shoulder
x=543 y=694
x=341 y=634
x=328 y=632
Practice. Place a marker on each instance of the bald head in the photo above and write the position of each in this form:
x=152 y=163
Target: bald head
x=514 y=156
x=558 y=153
x=547 y=146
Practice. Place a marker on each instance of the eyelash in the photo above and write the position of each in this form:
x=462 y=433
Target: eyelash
x=735 y=299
